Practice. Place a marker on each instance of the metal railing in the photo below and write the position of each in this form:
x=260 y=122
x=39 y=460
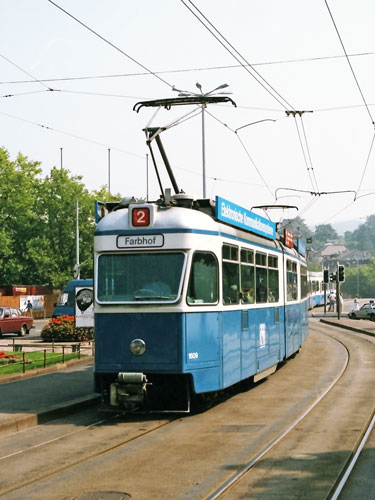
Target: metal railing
x=59 y=354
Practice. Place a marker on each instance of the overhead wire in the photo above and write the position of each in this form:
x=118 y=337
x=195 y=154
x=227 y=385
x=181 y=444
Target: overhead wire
x=281 y=100
x=365 y=167
x=348 y=60
x=111 y=44
x=239 y=57
x=306 y=152
x=75 y=136
x=309 y=165
x=27 y=93
x=361 y=93
x=245 y=149
x=36 y=80
x=184 y=70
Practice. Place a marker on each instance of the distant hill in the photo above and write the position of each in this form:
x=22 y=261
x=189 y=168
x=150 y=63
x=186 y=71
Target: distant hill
x=350 y=225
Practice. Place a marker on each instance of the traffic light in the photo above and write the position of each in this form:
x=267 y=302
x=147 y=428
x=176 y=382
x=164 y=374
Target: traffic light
x=325 y=276
x=341 y=273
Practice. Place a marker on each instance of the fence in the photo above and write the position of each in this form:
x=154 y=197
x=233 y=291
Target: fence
x=49 y=354
x=14 y=301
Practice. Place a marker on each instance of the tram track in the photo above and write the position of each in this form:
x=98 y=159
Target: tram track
x=343 y=474
x=23 y=452
x=195 y=453
x=218 y=493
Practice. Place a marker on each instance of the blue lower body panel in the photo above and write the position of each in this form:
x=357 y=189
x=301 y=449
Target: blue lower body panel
x=209 y=350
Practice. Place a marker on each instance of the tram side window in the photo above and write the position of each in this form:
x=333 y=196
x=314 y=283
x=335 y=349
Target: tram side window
x=291 y=278
x=261 y=278
x=304 y=285
x=273 y=279
x=231 y=275
x=203 y=281
x=247 y=276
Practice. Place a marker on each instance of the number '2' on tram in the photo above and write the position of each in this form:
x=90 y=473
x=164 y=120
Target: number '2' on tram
x=191 y=297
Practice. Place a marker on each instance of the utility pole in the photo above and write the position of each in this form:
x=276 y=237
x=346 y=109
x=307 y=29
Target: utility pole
x=109 y=170
x=146 y=176
x=77 y=270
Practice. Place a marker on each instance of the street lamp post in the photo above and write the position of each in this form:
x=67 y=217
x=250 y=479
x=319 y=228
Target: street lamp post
x=357 y=276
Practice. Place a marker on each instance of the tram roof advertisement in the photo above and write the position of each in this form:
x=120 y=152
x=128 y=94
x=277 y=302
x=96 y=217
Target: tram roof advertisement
x=235 y=215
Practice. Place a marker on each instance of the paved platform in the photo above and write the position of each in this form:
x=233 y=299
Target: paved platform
x=360 y=326
x=31 y=400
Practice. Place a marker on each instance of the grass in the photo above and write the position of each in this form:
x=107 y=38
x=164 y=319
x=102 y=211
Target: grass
x=33 y=360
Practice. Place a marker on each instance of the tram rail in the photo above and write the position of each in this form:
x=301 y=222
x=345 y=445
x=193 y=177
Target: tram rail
x=120 y=443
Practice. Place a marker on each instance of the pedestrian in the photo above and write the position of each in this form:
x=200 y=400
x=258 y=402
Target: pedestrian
x=332 y=300
x=29 y=308
x=341 y=302
x=356 y=303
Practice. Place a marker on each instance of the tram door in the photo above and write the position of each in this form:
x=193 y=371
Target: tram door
x=231 y=345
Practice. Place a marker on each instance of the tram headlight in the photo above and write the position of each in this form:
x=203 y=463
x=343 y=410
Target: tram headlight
x=137 y=347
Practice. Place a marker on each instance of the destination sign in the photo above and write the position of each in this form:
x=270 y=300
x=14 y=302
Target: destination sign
x=140 y=241
x=231 y=213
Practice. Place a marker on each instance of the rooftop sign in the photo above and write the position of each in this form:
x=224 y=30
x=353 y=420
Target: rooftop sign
x=231 y=213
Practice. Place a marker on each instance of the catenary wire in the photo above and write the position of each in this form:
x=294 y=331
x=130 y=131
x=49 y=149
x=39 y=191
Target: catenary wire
x=246 y=66
x=110 y=43
x=366 y=165
x=35 y=80
x=46 y=127
x=348 y=60
x=306 y=153
x=185 y=70
x=310 y=169
x=246 y=151
x=91 y=30
x=309 y=154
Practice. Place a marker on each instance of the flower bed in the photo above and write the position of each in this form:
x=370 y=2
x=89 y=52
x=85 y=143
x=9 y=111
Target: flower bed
x=63 y=329
x=6 y=359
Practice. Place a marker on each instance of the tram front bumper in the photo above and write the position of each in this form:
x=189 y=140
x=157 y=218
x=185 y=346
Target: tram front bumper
x=129 y=390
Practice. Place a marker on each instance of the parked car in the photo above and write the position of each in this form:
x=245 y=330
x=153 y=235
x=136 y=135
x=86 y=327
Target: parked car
x=12 y=320
x=367 y=311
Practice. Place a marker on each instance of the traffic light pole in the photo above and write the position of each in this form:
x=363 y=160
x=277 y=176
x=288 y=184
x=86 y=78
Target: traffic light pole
x=338 y=301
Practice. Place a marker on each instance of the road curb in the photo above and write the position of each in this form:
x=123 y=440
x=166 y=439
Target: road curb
x=24 y=421
x=42 y=371
x=346 y=327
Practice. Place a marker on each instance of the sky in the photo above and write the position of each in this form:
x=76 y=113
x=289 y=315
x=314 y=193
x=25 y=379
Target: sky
x=301 y=73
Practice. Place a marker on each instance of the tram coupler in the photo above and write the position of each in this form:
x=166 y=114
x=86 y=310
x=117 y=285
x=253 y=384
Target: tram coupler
x=129 y=390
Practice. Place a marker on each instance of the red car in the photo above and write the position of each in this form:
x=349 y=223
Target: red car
x=12 y=320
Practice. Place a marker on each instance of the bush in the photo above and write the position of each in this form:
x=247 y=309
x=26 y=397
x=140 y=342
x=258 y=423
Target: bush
x=63 y=329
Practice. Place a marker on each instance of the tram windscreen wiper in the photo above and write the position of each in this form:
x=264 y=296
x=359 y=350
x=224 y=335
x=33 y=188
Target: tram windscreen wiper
x=152 y=297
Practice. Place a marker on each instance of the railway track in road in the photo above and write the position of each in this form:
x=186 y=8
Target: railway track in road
x=290 y=434
x=55 y=438
x=311 y=480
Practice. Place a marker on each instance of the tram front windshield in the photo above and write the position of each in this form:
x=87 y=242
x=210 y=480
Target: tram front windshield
x=142 y=277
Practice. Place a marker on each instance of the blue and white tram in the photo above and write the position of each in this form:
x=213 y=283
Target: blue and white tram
x=316 y=288
x=187 y=303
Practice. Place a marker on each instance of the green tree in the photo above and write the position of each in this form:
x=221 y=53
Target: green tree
x=38 y=220
x=18 y=215
x=323 y=233
x=296 y=226
x=363 y=238
x=360 y=280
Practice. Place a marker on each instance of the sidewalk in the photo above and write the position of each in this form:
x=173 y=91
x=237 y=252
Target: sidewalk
x=361 y=325
x=30 y=401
